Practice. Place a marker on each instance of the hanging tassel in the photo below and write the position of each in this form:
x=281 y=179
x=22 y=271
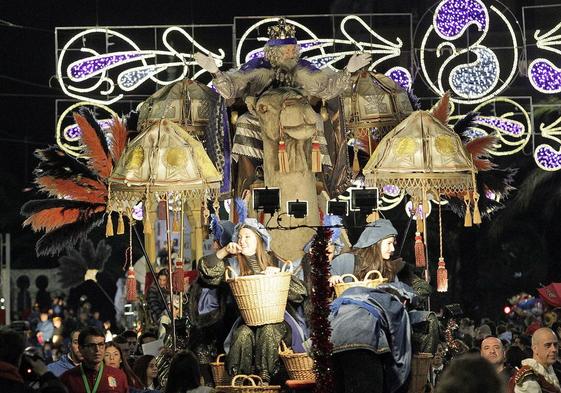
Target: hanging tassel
x=177 y=277
x=476 y=213
x=420 y=218
x=356 y=164
x=176 y=226
x=316 y=156
x=109 y=226
x=420 y=260
x=467 y=221
x=147 y=223
x=131 y=286
x=324 y=113
x=441 y=276
x=283 y=157
x=234 y=117
x=120 y=225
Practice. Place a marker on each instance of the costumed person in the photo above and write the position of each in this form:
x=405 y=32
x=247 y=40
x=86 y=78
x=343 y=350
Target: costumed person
x=371 y=327
x=253 y=350
x=211 y=308
x=536 y=374
x=281 y=66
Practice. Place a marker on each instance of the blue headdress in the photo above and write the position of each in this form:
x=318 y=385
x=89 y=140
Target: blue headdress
x=258 y=228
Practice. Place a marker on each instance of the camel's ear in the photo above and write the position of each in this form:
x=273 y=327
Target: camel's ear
x=250 y=101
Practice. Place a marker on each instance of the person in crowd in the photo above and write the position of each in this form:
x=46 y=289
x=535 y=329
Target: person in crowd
x=45 y=326
x=113 y=357
x=470 y=373
x=147 y=371
x=57 y=331
x=536 y=374
x=184 y=375
x=155 y=302
x=493 y=351
x=12 y=347
x=70 y=360
x=254 y=349
x=127 y=343
x=92 y=375
x=436 y=367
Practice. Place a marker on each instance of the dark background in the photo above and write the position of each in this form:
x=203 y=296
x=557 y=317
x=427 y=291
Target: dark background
x=518 y=250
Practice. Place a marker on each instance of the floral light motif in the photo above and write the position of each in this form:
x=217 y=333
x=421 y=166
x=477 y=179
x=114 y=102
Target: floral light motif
x=401 y=76
x=453 y=17
x=545 y=156
x=544 y=76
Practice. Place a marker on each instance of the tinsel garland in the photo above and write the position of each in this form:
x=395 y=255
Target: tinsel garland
x=322 y=348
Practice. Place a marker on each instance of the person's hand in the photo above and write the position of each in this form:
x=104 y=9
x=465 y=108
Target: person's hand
x=206 y=62
x=233 y=248
x=357 y=61
x=38 y=365
x=270 y=270
x=335 y=280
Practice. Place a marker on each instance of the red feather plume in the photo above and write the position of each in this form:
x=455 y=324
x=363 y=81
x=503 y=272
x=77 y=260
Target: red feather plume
x=84 y=189
x=119 y=136
x=481 y=147
x=442 y=108
x=53 y=218
x=98 y=159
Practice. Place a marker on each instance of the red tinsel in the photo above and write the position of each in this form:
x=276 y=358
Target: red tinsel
x=178 y=277
x=131 y=286
x=322 y=347
x=420 y=260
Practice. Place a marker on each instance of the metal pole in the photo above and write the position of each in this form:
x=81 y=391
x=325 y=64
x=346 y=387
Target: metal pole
x=5 y=266
x=170 y=277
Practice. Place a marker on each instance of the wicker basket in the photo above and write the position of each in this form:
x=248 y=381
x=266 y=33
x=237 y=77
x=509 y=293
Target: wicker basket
x=261 y=298
x=248 y=384
x=419 y=370
x=367 y=282
x=300 y=366
x=219 y=373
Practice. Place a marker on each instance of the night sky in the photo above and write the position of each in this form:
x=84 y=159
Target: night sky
x=517 y=251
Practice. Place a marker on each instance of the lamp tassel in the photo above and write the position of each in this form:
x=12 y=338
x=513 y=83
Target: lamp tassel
x=178 y=277
x=476 y=213
x=441 y=276
x=420 y=259
x=467 y=221
x=109 y=226
x=147 y=222
x=316 y=156
x=176 y=226
x=120 y=225
x=323 y=112
x=131 y=285
x=356 y=164
x=283 y=157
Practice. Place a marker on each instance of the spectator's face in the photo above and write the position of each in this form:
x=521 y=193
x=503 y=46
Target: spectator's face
x=152 y=370
x=163 y=281
x=93 y=349
x=112 y=357
x=74 y=348
x=57 y=323
x=492 y=350
x=387 y=247
x=247 y=240
x=44 y=316
x=545 y=349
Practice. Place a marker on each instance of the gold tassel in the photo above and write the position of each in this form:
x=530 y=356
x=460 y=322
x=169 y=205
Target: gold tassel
x=120 y=225
x=283 y=157
x=356 y=164
x=109 y=226
x=316 y=156
x=234 y=117
x=476 y=213
x=467 y=221
x=147 y=222
x=176 y=226
x=441 y=276
x=324 y=113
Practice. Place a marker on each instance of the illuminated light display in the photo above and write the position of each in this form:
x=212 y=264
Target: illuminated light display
x=473 y=133
x=509 y=126
x=68 y=138
x=453 y=17
x=95 y=67
x=473 y=82
x=545 y=156
x=391 y=190
x=401 y=76
x=477 y=79
x=544 y=76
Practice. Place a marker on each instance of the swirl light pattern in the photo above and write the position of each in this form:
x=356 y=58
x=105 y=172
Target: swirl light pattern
x=453 y=17
x=545 y=156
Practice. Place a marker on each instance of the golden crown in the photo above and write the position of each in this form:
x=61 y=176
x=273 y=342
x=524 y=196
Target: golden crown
x=281 y=30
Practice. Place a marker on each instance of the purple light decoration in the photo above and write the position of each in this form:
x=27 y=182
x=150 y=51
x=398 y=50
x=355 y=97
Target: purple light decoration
x=138 y=212
x=308 y=45
x=400 y=76
x=72 y=132
x=544 y=76
x=452 y=17
x=391 y=190
x=321 y=62
x=473 y=133
x=130 y=79
x=547 y=158
x=83 y=69
x=508 y=126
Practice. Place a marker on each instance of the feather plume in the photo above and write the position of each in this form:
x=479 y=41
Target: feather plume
x=465 y=123
x=52 y=243
x=54 y=162
x=84 y=189
x=442 y=109
x=90 y=118
x=34 y=206
x=119 y=135
x=73 y=265
x=95 y=147
x=56 y=217
x=482 y=146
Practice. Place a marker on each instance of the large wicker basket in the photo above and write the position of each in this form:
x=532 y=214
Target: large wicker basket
x=300 y=366
x=247 y=384
x=419 y=370
x=261 y=298
x=367 y=282
x=219 y=373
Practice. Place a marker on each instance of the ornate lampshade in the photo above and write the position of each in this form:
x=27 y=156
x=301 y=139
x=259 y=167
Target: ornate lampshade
x=374 y=104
